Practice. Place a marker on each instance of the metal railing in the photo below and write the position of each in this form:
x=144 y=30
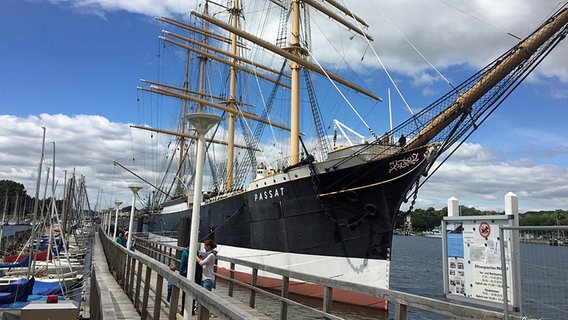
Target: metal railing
x=165 y=254
x=543 y=279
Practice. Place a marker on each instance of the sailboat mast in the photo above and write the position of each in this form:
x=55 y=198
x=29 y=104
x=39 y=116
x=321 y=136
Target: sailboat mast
x=16 y=207
x=295 y=67
x=3 y=216
x=232 y=98
x=36 y=204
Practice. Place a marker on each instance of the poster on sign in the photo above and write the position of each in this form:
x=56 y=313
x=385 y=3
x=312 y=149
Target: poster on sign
x=472 y=268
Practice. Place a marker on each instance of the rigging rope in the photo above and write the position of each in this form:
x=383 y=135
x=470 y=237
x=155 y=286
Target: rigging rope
x=481 y=20
x=383 y=65
x=342 y=95
x=415 y=49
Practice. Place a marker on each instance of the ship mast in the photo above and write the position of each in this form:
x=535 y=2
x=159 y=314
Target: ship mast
x=297 y=55
x=182 y=142
x=203 y=60
x=295 y=67
x=235 y=12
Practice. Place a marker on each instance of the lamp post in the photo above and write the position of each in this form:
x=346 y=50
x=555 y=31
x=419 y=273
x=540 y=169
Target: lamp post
x=109 y=220
x=202 y=123
x=117 y=203
x=104 y=220
x=135 y=190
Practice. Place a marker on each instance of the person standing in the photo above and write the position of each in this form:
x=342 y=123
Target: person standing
x=121 y=239
x=402 y=140
x=183 y=271
x=207 y=261
x=174 y=268
x=183 y=266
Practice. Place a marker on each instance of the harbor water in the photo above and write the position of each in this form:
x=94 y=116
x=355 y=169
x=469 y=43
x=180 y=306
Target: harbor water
x=416 y=268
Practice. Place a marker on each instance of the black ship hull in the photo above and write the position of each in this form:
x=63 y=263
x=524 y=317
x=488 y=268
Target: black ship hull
x=346 y=212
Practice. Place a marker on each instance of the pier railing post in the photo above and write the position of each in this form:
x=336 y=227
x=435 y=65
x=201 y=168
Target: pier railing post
x=144 y=312
x=158 y=296
x=327 y=299
x=121 y=258
x=400 y=311
x=174 y=302
x=253 y=281
x=127 y=276
x=284 y=294
x=131 y=281
x=232 y=276
x=138 y=284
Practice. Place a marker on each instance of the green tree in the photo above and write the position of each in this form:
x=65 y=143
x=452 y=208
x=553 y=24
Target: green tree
x=13 y=195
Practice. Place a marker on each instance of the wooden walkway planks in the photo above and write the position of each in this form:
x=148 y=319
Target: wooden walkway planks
x=123 y=307
x=222 y=296
x=144 y=288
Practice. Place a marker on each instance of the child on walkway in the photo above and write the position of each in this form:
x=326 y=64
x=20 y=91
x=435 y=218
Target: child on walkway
x=173 y=268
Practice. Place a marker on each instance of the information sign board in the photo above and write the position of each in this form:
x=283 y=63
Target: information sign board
x=472 y=268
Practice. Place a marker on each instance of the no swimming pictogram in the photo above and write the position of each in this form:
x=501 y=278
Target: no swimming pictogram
x=484 y=229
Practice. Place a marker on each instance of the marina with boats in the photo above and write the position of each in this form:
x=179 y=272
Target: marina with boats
x=46 y=260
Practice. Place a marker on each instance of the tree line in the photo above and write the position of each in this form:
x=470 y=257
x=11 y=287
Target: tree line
x=427 y=219
x=14 y=199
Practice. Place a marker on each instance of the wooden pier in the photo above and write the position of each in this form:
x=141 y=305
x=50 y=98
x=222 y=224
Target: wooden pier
x=130 y=285
x=106 y=298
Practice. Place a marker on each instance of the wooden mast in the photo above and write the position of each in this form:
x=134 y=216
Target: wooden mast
x=295 y=67
x=297 y=55
x=182 y=142
x=235 y=13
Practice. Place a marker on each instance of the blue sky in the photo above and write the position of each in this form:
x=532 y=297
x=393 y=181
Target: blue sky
x=74 y=66
x=72 y=62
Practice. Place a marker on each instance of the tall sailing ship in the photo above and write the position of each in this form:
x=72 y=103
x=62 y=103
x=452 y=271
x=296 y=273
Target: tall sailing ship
x=326 y=208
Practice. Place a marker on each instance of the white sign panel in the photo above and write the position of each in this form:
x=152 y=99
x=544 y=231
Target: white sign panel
x=473 y=257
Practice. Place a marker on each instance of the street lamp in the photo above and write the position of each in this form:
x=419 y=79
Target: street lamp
x=109 y=220
x=135 y=190
x=117 y=203
x=202 y=123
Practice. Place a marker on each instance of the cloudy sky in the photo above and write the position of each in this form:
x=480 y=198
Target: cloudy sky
x=73 y=67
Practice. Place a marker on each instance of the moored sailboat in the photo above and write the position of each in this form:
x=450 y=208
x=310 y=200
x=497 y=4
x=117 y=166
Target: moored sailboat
x=330 y=211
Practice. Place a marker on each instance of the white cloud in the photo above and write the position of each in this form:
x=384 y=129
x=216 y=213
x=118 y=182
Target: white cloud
x=482 y=182
x=447 y=33
x=146 y=7
x=89 y=145
x=84 y=144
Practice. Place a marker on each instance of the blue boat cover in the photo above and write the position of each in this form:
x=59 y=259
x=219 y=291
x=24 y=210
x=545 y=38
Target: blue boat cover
x=47 y=288
x=16 y=291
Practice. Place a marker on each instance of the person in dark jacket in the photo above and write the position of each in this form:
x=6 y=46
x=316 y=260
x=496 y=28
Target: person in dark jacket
x=121 y=239
x=183 y=271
